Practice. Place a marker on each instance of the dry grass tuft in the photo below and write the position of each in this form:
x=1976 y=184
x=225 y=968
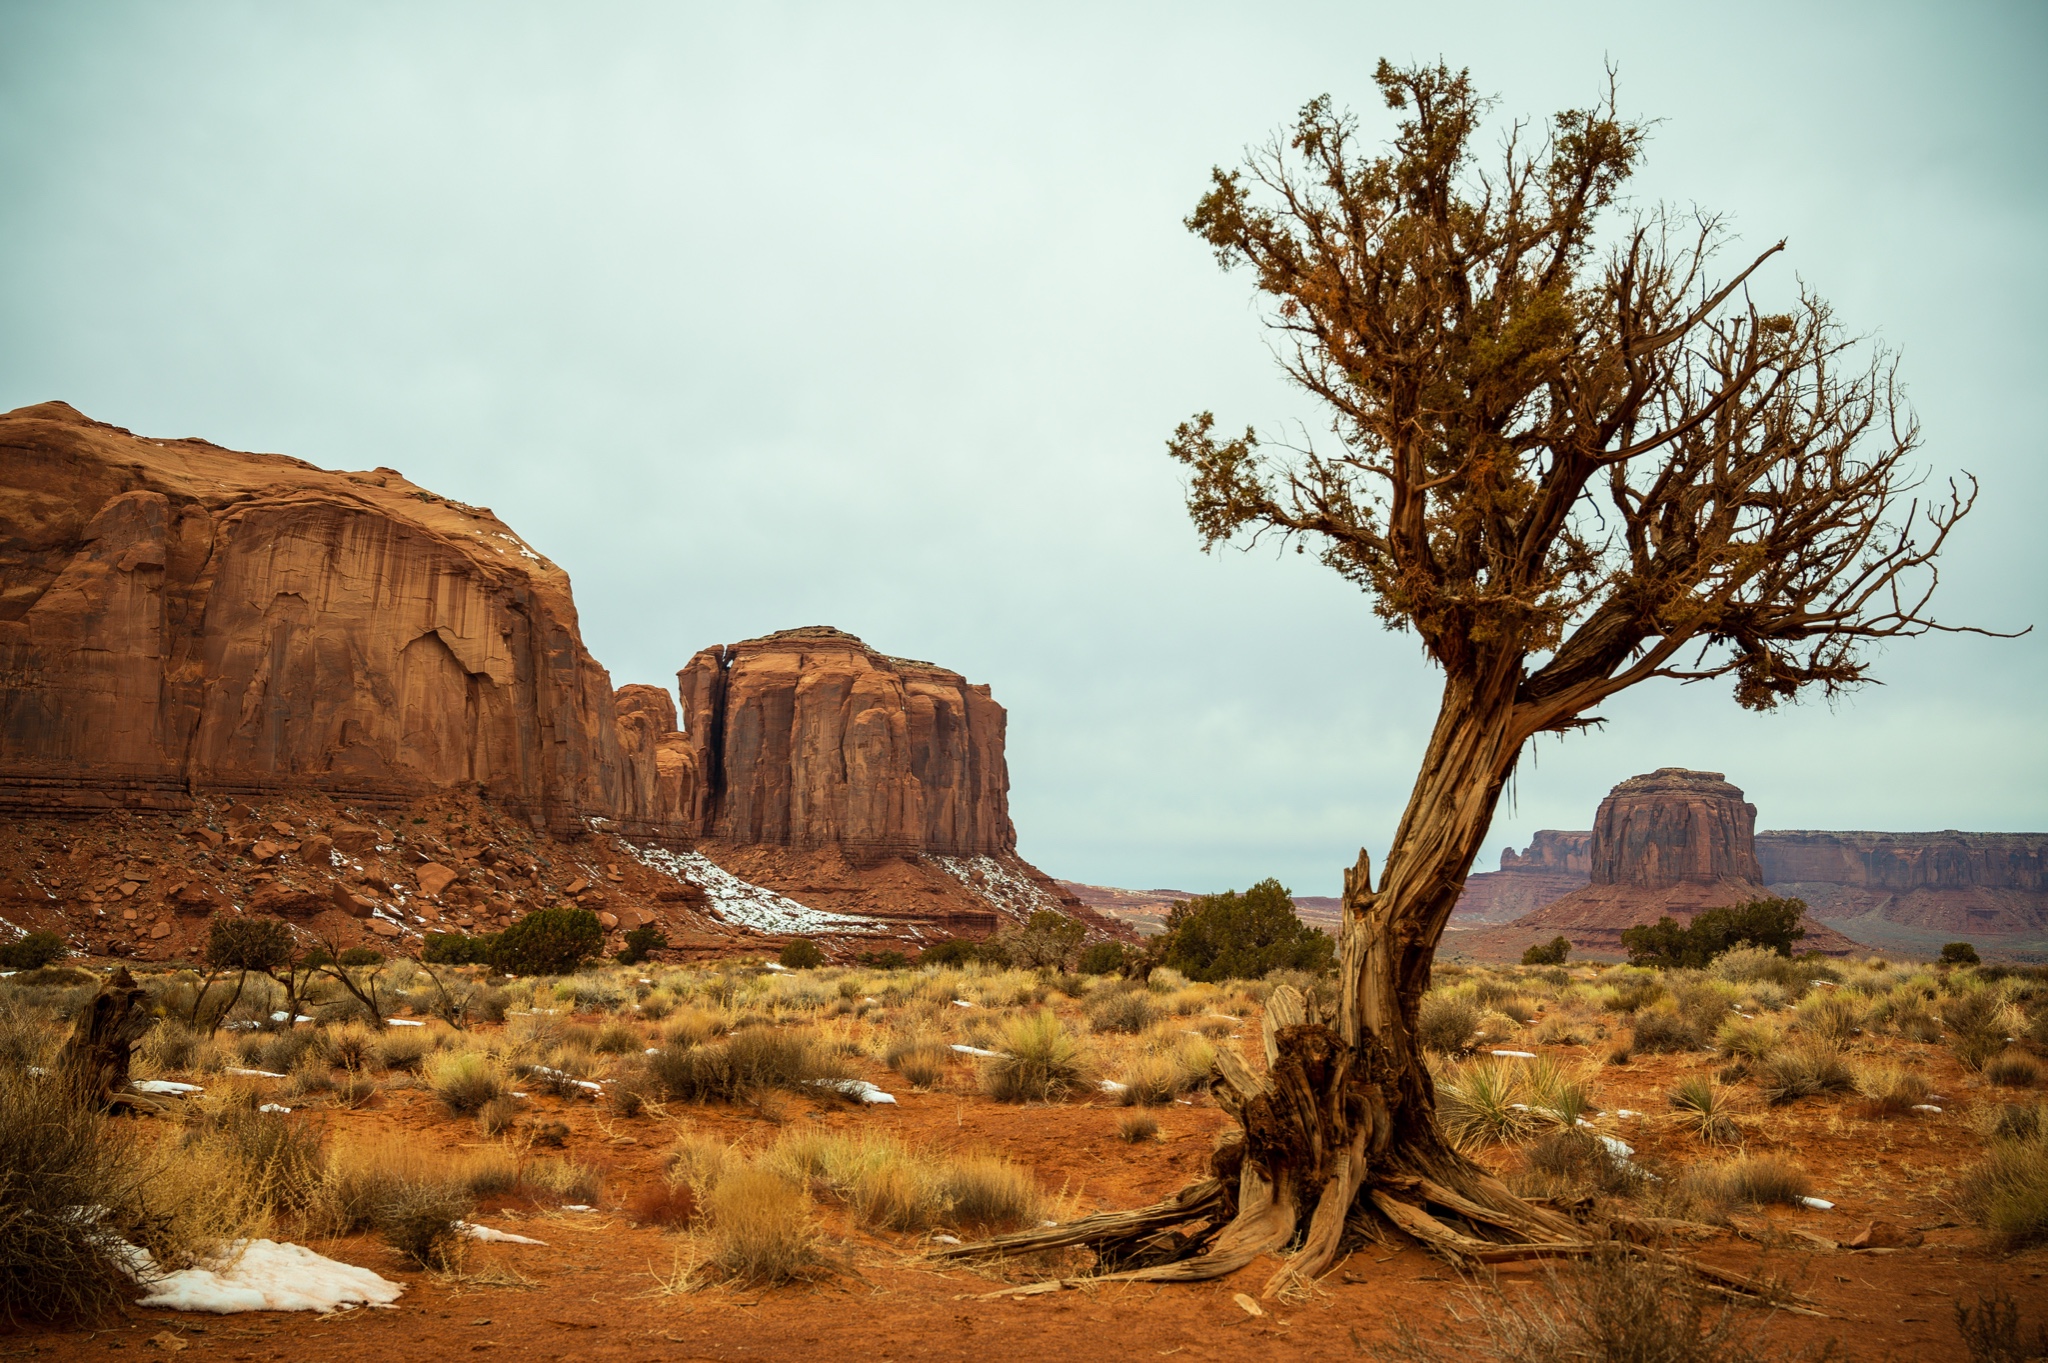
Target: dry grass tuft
x=1804 y=1071
x=759 y=1228
x=464 y=1081
x=1137 y=1126
x=1042 y=1061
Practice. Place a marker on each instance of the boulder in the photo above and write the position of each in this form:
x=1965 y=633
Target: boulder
x=1884 y=1235
x=433 y=878
x=354 y=905
x=383 y=927
x=354 y=837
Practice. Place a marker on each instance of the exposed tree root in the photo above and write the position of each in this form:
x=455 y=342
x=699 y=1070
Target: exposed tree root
x=1325 y=1155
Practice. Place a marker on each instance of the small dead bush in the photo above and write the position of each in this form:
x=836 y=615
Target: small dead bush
x=56 y=1157
x=1447 y=1023
x=759 y=1227
x=1041 y=1062
x=1804 y=1071
x=1659 y=1031
x=1890 y=1091
x=1137 y=1126
x=418 y=1220
x=1121 y=1010
x=464 y=1081
x=1750 y=1181
x=2012 y=1069
x=2008 y=1190
x=669 y=1205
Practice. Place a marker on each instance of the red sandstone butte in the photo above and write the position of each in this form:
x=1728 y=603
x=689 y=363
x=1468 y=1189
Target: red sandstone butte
x=176 y=617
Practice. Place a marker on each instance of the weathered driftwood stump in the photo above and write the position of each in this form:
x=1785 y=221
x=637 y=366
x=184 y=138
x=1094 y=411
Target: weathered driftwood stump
x=102 y=1043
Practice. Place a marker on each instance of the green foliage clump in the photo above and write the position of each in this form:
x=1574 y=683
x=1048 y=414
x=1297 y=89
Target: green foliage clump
x=1104 y=958
x=1958 y=953
x=1232 y=936
x=641 y=943
x=1552 y=952
x=1770 y=923
x=360 y=956
x=958 y=951
x=801 y=954
x=31 y=950
x=1046 y=939
x=456 y=948
x=548 y=942
x=258 y=944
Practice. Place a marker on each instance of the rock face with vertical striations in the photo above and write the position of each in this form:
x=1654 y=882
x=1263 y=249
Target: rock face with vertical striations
x=176 y=617
x=811 y=739
x=1671 y=842
x=1555 y=864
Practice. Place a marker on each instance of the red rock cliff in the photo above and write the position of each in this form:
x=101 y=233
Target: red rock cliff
x=177 y=617
x=1674 y=827
x=808 y=738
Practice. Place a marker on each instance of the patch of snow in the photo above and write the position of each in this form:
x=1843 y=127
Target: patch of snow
x=1516 y=1055
x=578 y=1207
x=1014 y=896
x=776 y=966
x=263 y=1275
x=1819 y=1204
x=962 y=1003
x=945 y=1239
x=164 y=1086
x=403 y=1022
x=255 y=1074
x=469 y=1230
x=856 y=1088
x=273 y=1107
x=1925 y=1107
x=976 y=1050
x=1111 y=1086
x=747 y=905
x=1624 y=1112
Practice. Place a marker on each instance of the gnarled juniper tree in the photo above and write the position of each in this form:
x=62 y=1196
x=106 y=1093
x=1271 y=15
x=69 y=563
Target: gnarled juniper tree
x=1570 y=459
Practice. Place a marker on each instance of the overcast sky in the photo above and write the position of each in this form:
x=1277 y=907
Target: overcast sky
x=878 y=317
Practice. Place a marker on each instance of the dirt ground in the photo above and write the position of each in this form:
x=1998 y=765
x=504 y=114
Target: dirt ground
x=602 y=1287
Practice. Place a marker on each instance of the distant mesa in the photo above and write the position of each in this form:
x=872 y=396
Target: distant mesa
x=1677 y=841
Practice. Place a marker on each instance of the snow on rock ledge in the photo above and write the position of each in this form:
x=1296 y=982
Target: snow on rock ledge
x=1012 y=895
x=746 y=905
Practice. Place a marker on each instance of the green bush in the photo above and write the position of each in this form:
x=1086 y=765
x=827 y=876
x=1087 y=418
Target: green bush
x=258 y=944
x=641 y=943
x=1104 y=958
x=1958 y=953
x=360 y=956
x=1047 y=938
x=1232 y=936
x=32 y=951
x=801 y=954
x=456 y=948
x=883 y=960
x=548 y=942
x=959 y=951
x=1771 y=923
x=1552 y=952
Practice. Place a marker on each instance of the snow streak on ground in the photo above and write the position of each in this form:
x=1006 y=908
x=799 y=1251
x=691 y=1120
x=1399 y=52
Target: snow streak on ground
x=747 y=905
x=1009 y=893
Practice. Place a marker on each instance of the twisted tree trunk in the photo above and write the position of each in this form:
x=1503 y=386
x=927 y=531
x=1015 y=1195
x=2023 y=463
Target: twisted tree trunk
x=95 y=1060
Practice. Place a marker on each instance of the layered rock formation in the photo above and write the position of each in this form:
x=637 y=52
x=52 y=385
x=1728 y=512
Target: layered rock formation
x=1913 y=891
x=176 y=617
x=808 y=738
x=1555 y=864
x=1672 y=842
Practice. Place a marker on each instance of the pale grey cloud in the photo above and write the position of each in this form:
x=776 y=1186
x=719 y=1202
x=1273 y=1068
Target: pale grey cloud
x=878 y=316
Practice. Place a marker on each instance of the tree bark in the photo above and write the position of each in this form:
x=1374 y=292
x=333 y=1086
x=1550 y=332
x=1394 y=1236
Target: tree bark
x=102 y=1043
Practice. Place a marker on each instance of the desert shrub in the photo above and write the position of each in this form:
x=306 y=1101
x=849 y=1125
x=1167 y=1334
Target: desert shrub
x=57 y=1156
x=1804 y=1071
x=1046 y=939
x=1631 y=993
x=749 y=1061
x=2012 y=1069
x=960 y=951
x=1706 y=1109
x=1137 y=1125
x=418 y=1220
x=564 y=1180
x=922 y=1062
x=1659 y=1031
x=1751 y=1181
x=1149 y=1080
x=1448 y=1023
x=985 y=1193
x=402 y=1048
x=759 y=1227
x=2008 y=1190
x=1834 y=1014
x=1103 y=958
x=662 y=1204
x=31 y=950
x=1231 y=936
x=1991 y=1330
x=642 y=942
x=1748 y=1038
x=1958 y=953
x=617 y=1038
x=1769 y=923
x=1560 y=1030
x=456 y=948
x=1572 y=1163
x=360 y=956
x=1121 y=1010
x=351 y=1045
x=548 y=942
x=1552 y=952
x=1891 y=1091
x=464 y=1081
x=497 y=1115
x=801 y=954
x=1042 y=1061
x=1482 y=1103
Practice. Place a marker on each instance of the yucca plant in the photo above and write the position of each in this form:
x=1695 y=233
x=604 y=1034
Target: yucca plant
x=1481 y=1103
x=1706 y=1110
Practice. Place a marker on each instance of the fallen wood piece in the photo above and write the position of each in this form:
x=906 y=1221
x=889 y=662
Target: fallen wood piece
x=1195 y=1200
